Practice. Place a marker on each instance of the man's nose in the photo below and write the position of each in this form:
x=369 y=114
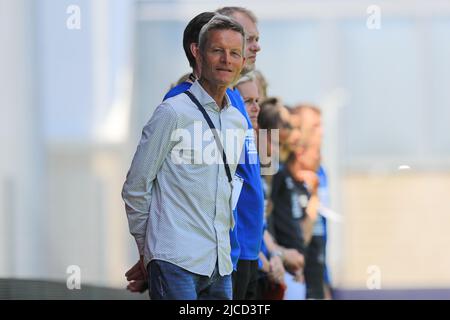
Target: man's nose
x=225 y=57
x=255 y=46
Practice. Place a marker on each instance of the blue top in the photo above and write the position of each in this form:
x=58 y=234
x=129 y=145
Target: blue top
x=324 y=196
x=182 y=87
x=250 y=207
x=264 y=249
x=246 y=237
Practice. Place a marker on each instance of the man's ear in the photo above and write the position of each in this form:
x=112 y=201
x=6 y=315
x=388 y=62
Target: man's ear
x=198 y=61
x=196 y=53
x=194 y=50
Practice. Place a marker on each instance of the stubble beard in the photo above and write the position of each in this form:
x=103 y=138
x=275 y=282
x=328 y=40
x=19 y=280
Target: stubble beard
x=247 y=69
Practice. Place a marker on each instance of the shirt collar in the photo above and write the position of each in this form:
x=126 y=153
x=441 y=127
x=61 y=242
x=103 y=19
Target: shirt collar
x=205 y=99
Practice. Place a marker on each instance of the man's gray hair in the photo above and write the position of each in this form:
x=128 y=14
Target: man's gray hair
x=230 y=11
x=220 y=22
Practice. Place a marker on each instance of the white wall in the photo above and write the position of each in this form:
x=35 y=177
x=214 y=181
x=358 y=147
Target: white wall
x=21 y=142
x=65 y=104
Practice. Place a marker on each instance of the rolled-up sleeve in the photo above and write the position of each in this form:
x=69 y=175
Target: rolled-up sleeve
x=151 y=152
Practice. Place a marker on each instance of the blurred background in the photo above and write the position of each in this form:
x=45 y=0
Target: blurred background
x=80 y=78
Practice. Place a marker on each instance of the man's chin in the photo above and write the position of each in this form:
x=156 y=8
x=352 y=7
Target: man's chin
x=248 y=68
x=224 y=82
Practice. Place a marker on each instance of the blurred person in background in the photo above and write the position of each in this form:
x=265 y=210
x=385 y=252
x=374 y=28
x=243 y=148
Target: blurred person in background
x=303 y=169
x=295 y=206
x=248 y=88
x=274 y=116
x=262 y=85
x=308 y=119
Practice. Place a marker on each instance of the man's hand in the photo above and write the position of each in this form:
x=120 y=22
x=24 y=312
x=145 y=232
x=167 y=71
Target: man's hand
x=299 y=277
x=293 y=260
x=310 y=178
x=265 y=263
x=138 y=286
x=276 y=273
x=137 y=277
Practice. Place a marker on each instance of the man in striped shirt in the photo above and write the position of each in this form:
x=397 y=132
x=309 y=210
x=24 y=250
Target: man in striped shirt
x=177 y=201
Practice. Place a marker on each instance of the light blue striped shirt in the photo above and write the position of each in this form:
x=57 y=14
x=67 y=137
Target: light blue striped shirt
x=181 y=213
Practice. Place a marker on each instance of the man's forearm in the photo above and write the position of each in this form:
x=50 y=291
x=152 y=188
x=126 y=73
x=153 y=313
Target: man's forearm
x=307 y=224
x=137 y=223
x=150 y=154
x=271 y=245
x=274 y=248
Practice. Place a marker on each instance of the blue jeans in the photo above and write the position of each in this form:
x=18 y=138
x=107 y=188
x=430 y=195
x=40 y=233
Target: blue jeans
x=170 y=282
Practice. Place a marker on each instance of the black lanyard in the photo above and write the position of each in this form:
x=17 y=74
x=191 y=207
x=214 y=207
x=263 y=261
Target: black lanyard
x=213 y=129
